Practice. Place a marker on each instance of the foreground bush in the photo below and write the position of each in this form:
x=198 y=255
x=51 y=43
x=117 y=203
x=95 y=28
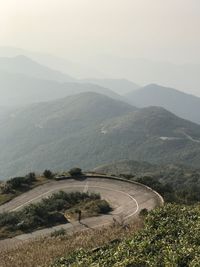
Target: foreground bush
x=171 y=237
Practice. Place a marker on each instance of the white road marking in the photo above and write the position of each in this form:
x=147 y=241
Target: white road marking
x=101 y=187
x=85 y=190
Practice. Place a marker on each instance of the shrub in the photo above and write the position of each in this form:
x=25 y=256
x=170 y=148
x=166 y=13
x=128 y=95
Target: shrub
x=8 y=218
x=16 y=182
x=48 y=174
x=59 y=232
x=143 y=213
x=30 y=177
x=103 y=206
x=6 y=188
x=75 y=172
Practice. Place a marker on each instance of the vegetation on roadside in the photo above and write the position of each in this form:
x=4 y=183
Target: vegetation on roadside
x=74 y=172
x=18 y=185
x=51 y=211
x=176 y=183
x=170 y=238
x=185 y=195
x=42 y=252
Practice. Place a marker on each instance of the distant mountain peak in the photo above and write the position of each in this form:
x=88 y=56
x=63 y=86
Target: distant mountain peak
x=24 y=65
x=182 y=104
x=23 y=57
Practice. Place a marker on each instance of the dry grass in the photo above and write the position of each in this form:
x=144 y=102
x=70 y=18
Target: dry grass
x=43 y=252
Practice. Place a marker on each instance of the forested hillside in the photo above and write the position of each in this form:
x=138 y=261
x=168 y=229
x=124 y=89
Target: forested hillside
x=90 y=129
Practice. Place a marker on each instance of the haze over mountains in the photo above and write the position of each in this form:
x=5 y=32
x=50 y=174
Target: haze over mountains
x=185 y=77
x=49 y=119
x=90 y=129
x=19 y=89
x=182 y=104
x=61 y=64
x=120 y=86
x=23 y=65
x=24 y=81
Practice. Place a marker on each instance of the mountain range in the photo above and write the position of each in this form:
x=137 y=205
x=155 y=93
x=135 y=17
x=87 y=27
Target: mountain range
x=119 y=86
x=19 y=89
x=24 y=65
x=24 y=81
x=90 y=129
x=184 y=77
x=183 y=105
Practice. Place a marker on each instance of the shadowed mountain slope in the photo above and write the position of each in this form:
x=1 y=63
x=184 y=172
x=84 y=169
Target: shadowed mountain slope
x=90 y=129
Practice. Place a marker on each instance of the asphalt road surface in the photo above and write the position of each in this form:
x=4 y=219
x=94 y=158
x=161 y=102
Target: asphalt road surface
x=126 y=199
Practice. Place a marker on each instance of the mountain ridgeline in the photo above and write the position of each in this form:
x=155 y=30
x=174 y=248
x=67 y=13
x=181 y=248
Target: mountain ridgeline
x=24 y=65
x=24 y=81
x=90 y=129
x=182 y=104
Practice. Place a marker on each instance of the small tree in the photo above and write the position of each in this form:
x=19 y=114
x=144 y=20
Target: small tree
x=75 y=172
x=47 y=174
x=6 y=188
x=16 y=182
x=31 y=177
x=143 y=212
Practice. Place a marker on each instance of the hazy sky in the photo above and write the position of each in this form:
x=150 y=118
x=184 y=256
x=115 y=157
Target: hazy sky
x=154 y=29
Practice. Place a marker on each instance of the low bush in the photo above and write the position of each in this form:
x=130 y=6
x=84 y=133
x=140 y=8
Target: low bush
x=59 y=232
x=47 y=174
x=50 y=211
x=75 y=172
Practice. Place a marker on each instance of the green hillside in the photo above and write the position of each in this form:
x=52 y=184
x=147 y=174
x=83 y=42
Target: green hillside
x=170 y=238
x=172 y=174
x=90 y=129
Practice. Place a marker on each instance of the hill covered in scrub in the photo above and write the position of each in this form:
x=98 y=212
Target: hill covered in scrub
x=88 y=130
x=174 y=174
x=170 y=238
x=176 y=183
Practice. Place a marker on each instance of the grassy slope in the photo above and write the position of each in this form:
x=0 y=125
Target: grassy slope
x=43 y=252
x=170 y=238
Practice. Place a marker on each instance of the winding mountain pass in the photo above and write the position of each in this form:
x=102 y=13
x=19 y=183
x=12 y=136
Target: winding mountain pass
x=126 y=199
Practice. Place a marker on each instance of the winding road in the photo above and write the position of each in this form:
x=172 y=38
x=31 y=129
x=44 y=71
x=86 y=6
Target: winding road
x=126 y=199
